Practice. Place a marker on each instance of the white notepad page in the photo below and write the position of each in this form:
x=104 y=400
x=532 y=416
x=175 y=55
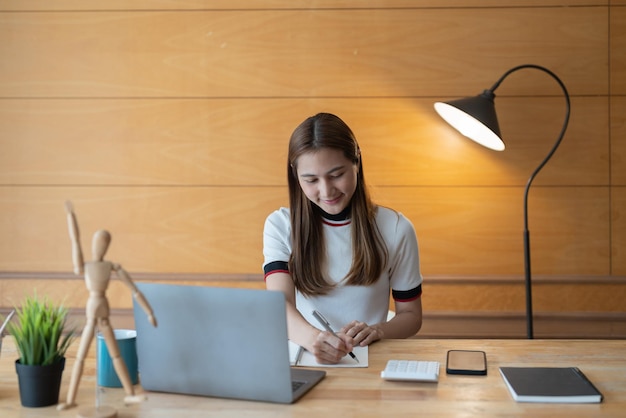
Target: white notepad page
x=298 y=356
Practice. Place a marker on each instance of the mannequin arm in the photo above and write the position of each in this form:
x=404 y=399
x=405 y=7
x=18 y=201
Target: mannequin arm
x=137 y=295
x=77 y=252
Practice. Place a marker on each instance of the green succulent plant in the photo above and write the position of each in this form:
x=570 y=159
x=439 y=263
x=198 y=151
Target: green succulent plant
x=39 y=332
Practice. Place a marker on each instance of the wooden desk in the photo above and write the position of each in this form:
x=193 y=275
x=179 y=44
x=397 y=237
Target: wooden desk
x=361 y=392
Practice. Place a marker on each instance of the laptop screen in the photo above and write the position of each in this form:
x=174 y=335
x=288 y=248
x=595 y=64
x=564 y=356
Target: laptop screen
x=211 y=341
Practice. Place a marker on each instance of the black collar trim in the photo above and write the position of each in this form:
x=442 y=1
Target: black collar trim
x=344 y=215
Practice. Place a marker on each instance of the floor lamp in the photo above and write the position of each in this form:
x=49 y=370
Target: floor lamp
x=475 y=118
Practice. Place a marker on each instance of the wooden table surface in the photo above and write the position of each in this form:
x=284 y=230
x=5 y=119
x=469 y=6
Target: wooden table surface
x=361 y=392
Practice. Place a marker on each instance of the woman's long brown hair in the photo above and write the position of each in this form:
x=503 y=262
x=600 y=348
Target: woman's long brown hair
x=307 y=263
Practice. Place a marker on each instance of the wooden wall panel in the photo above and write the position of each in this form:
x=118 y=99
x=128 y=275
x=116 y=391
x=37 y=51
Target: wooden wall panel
x=243 y=142
x=587 y=307
x=618 y=180
x=166 y=122
x=268 y=53
x=177 y=229
x=442 y=294
x=70 y=290
x=214 y=229
x=478 y=231
x=146 y=141
x=93 y=5
x=618 y=46
x=591 y=296
x=618 y=231
x=618 y=140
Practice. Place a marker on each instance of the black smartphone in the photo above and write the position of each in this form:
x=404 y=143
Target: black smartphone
x=472 y=362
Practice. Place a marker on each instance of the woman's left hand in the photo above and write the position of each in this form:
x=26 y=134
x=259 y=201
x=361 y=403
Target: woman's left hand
x=363 y=334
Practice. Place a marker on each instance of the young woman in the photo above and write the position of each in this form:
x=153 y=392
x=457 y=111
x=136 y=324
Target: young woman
x=336 y=252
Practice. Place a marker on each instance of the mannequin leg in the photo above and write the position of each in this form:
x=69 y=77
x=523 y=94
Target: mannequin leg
x=118 y=361
x=77 y=371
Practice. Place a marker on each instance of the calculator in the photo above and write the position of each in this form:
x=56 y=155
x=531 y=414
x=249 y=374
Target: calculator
x=411 y=370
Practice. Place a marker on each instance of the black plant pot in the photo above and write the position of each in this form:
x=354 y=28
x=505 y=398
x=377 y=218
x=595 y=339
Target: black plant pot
x=39 y=385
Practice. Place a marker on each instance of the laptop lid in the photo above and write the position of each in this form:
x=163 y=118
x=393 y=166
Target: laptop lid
x=221 y=342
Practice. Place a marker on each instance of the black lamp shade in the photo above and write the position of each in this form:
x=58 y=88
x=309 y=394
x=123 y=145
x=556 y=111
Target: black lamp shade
x=474 y=117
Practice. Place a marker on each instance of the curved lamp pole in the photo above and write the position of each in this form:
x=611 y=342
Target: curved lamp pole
x=475 y=118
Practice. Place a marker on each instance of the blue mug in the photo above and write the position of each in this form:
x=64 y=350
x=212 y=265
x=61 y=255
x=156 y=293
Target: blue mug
x=127 y=344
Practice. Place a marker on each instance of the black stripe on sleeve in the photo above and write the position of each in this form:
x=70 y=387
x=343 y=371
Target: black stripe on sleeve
x=275 y=266
x=407 y=295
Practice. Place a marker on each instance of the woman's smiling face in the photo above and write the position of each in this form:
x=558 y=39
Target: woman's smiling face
x=327 y=178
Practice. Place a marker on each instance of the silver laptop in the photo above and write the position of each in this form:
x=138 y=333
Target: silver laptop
x=221 y=342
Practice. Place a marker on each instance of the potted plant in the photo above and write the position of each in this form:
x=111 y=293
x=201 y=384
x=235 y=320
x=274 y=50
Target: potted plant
x=41 y=341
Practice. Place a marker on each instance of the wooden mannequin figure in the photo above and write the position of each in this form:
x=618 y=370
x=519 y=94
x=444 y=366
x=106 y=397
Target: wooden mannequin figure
x=97 y=276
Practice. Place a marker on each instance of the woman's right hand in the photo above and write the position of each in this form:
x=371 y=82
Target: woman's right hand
x=329 y=348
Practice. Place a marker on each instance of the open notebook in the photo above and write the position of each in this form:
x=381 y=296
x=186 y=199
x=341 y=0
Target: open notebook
x=298 y=356
x=221 y=342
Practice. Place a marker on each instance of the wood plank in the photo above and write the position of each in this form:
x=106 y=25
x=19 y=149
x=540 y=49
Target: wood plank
x=219 y=229
x=618 y=46
x=455 y=307
x=64 y=5
x=577 y=321
x=296 y=53
x=591 y=296
x=243 y=142
x=493 y=325
x=482 y=325
x=478 y=231
x=153 y=229
x=442 y=294
x=618 y=230
x=618 y=145
x=70 y=290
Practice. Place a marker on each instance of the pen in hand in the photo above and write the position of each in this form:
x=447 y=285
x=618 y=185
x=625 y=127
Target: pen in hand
x=327 y=327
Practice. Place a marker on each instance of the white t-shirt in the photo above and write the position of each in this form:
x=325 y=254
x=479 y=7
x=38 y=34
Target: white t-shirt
x=369 y=304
